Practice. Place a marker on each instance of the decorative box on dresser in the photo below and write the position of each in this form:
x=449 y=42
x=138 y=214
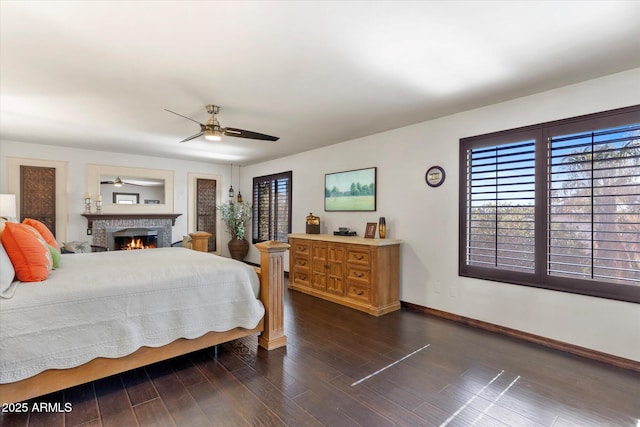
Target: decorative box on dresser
x=353 y=271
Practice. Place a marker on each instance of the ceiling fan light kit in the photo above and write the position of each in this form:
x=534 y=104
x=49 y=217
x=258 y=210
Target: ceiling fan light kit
x=212 y=130
x=212 y=135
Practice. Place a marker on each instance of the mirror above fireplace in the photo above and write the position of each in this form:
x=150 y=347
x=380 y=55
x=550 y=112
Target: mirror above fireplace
x=131 y=189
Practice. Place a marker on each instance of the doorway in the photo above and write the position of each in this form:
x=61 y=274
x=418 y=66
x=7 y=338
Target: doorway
x=38 y=191
x=206 y=209
x=203 y=199
x=13 y=164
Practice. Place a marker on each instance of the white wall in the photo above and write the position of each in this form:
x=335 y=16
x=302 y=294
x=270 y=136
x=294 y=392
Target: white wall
x=426 y=219
x=78 y=159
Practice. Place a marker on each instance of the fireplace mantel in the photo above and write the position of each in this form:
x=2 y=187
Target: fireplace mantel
x=93 y=217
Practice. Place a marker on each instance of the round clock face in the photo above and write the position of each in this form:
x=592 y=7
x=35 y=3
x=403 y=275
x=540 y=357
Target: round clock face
x=434 y=176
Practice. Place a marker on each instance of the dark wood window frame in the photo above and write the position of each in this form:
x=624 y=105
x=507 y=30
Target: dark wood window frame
x=268 y=222
x=540 y=277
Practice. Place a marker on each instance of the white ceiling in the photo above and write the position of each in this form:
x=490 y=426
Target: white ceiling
x=99 y=75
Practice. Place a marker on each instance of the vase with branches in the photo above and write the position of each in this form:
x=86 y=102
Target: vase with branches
x=236 y=216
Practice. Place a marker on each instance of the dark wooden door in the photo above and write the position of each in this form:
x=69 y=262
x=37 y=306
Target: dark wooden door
x=206 y=209
x=38 y=195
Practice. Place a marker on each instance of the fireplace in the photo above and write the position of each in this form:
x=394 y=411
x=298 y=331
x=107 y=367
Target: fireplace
x=132 y=238
x=104 y=225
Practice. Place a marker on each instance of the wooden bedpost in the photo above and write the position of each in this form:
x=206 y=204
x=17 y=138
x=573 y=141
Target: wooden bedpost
x=272 y=293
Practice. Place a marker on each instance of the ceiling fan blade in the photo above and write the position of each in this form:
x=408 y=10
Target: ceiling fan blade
x=188 y=118
x=241 y=133
x=193 y=137
x=123 y=183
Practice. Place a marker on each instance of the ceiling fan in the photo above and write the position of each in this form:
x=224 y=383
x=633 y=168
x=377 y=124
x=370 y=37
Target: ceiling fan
x=139 y=182
x=117 y=182
x=213 y=131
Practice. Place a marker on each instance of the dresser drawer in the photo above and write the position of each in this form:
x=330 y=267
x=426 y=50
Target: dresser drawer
x=302 y=262
x=361 y=277
x=359 y=293
x=302 y=278
x=359 y=257
x=302 y=248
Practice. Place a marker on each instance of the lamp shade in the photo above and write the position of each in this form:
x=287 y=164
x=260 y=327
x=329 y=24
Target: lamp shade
x=8 y=205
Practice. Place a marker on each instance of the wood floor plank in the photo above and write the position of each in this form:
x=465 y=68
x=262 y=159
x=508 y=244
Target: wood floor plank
x=235 y=394
x=215 y=407
x=84 y=405
x=93 y=423
x=12 y=417
x=328 y=416
x=48 y=411
x=186 y=371
x=288 y=411
x=378 y=402
x=275 y=368
x=152 y=413
x=177 y=399
x=452 y=408
x=113 y=403
x=138 y=386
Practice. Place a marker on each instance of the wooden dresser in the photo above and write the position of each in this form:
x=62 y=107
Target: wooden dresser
x=353 y=271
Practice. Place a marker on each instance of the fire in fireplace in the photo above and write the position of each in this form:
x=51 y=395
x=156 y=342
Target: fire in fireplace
x=135 y=238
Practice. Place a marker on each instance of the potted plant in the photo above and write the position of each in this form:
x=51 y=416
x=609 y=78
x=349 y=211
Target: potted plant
x=236 y=215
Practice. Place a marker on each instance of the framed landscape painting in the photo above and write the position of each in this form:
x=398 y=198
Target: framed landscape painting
x=350 y=191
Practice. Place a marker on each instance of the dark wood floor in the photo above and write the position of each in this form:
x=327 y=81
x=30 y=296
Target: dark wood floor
x=455 y=375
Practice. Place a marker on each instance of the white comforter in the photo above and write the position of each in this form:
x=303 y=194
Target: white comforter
x=110 y=304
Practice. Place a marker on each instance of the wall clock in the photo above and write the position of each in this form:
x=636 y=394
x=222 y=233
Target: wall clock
x=435 y=176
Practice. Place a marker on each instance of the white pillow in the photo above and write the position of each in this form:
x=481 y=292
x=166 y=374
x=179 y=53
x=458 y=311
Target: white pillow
x=77 y=247
x=7 y=274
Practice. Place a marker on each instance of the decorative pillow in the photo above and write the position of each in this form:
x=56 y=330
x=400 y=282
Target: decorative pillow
x=77 y=247
x=7 y=274
x=44 y=232
x=2 y=223
x=55 y=256
x=28 y=252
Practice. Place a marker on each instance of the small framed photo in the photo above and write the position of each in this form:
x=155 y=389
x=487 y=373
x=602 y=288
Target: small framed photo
x=370 y=232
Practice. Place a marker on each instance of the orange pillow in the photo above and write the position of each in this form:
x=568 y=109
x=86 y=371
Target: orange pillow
x=44 y=231
x=27 y=251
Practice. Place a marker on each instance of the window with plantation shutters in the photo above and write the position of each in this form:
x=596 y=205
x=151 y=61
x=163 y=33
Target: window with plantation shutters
x=555 y=205
x=272 y=207
x=594 y=205
x=500 y=206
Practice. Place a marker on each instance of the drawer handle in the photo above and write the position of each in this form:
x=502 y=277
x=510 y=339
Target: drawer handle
x=302 y=262
x=358 y=292
x=302 y=277
x=358 y=274
x=359 y=257
x=302 y=248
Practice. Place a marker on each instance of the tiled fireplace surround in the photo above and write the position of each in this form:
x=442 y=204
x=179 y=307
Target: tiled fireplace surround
x=99 y=224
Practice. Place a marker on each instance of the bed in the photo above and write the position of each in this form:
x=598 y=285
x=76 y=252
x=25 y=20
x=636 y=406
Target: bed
x=105 y=313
